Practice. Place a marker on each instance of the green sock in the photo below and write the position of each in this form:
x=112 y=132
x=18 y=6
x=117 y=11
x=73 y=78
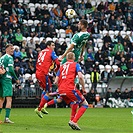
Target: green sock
x=8 y=110
x=0 y=110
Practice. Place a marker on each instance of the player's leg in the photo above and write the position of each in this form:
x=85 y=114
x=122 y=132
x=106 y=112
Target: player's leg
x=81 y=111
x=45 y=83
x=7 y=92
x=74 y=107
x=8 y=110
x=77 y=96
x=1 y=105
x=51 y=102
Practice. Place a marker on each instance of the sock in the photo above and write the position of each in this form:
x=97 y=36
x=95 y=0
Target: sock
x=80 y=112
x=43 y=93
x=44 y=100
x=8 y=110
x=0 y=110
x=54 y=101
x=73 y=110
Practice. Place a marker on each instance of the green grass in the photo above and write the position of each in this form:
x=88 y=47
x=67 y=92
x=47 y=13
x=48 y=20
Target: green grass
x=97 y=120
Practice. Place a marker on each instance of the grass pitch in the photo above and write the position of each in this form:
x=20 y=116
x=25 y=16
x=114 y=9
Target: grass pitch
x=96 y=120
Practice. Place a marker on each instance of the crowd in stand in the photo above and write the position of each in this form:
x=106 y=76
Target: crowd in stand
x=106 y=16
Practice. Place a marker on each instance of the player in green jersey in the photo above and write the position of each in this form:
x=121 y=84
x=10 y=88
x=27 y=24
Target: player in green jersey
x=78 y=42
x=77 y=46
x=6 y=91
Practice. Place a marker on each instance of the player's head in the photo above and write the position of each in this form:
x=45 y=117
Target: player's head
x=50 y=44
x=9 y=49
x=70 y=56
x=83 y=24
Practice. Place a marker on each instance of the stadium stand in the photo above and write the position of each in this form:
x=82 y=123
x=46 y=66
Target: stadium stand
x=30 y=13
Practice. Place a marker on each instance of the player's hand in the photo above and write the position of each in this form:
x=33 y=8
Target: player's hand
x=2 y=70
x=60 y=58
x=18 y=81
x=81 y=58
x=84 y=92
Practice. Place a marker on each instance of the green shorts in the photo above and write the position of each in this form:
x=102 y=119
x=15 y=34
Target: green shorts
x=6 y=87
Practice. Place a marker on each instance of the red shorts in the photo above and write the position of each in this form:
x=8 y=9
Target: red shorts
x=72 y=96
x=44 y=81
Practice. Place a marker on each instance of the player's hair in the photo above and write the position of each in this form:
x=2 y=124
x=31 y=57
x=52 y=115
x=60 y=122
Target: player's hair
x=84 y=22
x=70 y=56
x=48 y=43
x=8 y=45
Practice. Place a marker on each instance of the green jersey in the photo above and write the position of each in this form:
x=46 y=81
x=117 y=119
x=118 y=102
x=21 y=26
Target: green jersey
x=7 y=62
x=79 y=40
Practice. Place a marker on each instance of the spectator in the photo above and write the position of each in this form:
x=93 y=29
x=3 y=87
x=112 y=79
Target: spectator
x=105 y=76
x=38 y=13
x=118 y=48
x=58 y=12
x=119 y=72
x=17 y=53
x=25 y=30
x=123 y=65
x=119 y=24
x=117 y=93
x=43 y=44
x=31 y=44
x=95 y=31
x=89 y=60
x=23 y=66
x=112 y=23
x=69 y=31
x=45 y=29
x=94 y=79
x=38 y=30
x=91 y=97
x=51 y=31
x=18 y=38
x=14 y=26
x=129 y=23
x=131 y=93
x=63 y=47
x=125 y=94
x=108 y=95
x=23 y=53
x=31 y=54
x=11 y=36
x=13 y=17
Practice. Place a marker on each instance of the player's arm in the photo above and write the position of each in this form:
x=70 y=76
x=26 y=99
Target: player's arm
x=55 y=59
x=69 y=49
x=57 y=77
x=57 y=65
x=80 y=76
x=81 y=81
x=11 y=69
x=82 y=51
x=2 y=70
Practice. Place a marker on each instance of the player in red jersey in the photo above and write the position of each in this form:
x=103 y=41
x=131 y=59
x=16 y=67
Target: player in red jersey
x=66 y=86
x=45 y=59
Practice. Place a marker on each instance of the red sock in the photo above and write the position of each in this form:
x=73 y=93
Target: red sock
x=43 y=101
x=79 y=114
x=73 y=110
x=51 y=102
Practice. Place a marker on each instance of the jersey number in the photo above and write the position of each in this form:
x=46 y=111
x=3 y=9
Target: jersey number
x=65 y=70
x=41 y=58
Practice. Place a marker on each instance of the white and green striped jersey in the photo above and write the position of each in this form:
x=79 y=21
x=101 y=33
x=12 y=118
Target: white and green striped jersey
x=79 y=40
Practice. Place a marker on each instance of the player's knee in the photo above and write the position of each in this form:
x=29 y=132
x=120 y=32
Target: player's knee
x=85 y=104
x=59 y=100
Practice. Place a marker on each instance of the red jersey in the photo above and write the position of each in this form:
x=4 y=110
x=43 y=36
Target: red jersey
x=45 y=60
x=67 y=74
